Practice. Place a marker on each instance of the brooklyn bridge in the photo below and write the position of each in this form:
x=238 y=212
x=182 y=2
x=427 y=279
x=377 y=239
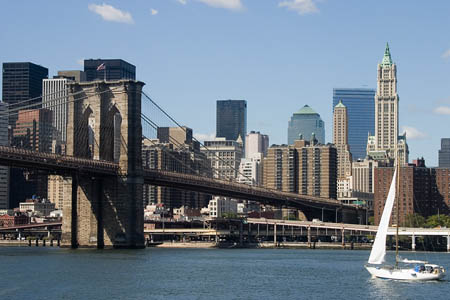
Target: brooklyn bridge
x=104 y=165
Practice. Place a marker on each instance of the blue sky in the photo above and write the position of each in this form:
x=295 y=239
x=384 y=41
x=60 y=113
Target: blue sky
x=277 y=54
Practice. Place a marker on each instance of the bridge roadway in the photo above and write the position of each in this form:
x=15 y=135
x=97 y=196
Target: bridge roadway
x=369 y=229
x=66 y=165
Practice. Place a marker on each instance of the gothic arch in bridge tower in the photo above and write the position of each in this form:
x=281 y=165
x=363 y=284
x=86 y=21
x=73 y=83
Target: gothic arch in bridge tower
x=111 y=135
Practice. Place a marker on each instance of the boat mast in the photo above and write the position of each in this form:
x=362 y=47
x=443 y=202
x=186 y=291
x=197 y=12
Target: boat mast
x=397 y=193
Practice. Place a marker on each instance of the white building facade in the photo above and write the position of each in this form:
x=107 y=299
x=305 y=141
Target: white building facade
x=55 y=97
x=250 y=170
x=255 y=142
x=225 y=157
x=222 y=206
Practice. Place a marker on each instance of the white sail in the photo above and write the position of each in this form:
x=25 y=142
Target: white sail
x=379 y=246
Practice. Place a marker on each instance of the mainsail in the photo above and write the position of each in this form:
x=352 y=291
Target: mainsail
x=379 y=246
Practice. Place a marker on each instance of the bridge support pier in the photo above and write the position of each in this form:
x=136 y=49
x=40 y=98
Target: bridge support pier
x=413 y=242
x=309 y=236
x=105 y=211
x=275 y=235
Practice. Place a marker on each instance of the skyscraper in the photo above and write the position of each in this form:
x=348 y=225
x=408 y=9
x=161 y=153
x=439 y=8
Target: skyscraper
x=386 y=107
x=22 y=81
x=306 y=122
x=444 y=153
x=340 y=140
x=4 y=171
x=54 y=98
x=113 y=69
x=231 y=120
x=360 y=105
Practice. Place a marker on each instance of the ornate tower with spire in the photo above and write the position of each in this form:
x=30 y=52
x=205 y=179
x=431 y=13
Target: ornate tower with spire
x=386 y=106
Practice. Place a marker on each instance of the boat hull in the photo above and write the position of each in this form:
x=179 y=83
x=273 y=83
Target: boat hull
x=404 y=274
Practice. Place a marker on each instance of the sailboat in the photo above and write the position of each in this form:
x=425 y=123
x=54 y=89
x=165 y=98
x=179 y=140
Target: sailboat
x=412 y=269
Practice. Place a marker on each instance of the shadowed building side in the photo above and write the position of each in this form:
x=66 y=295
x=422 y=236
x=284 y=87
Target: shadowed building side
x=105 y=123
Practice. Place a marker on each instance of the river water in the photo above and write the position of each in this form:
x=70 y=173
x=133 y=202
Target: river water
x=52 y=273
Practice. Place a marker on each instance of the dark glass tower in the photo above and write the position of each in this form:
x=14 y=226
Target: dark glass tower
x=231 y=119
x=22 y=81
x=115 y=69
x=360 y=105
x=444 y=153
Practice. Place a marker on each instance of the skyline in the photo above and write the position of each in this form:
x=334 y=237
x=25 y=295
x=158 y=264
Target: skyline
x=275 y=57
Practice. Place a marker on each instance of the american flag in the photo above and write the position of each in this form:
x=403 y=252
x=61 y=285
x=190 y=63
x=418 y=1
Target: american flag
x=101 y=67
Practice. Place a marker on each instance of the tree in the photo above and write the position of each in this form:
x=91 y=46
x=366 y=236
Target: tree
x=372 y=220
x=438 y=220
x=413 y=220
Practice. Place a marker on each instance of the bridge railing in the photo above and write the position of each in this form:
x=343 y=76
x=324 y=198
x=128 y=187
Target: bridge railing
x=22 y=156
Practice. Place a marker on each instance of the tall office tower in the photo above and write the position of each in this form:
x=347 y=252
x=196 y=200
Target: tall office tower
x=231 y=119
x=225 y=156
x=360 y=105
x=54 y=98
x=4 y=171
x=22 y=81
x=444 y=153
x=340 y=140
x=256 y=142
x=386 y=110
x=109 y=69
x=305 y=122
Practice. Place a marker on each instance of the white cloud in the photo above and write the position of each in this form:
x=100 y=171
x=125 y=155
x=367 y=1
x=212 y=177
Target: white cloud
x=204 y=137
x=446 y=54
x=80 y=61
x=442 y=110
x=153 y=11
x=302 y=7
x=413 y=133
x=227 y=4
x=110 y=13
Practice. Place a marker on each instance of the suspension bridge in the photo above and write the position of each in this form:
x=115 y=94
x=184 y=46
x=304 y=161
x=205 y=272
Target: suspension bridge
x=103 y=161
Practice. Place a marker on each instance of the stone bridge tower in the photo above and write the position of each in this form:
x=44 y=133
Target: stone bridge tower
x=104 y=123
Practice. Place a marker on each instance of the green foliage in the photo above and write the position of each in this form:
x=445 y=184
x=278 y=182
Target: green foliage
x=438 y=220
x=372 y=220
x=413 y=220
x=229 y=215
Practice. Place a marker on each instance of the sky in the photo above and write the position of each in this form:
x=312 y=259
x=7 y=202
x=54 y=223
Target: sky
x=277 y=54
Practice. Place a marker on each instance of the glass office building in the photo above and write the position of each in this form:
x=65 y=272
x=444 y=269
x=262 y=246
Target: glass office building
x=114 y=69
x=306 y=122
x=360 y=105
x=22 y=81
x=231 y=120
x=444 y=153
